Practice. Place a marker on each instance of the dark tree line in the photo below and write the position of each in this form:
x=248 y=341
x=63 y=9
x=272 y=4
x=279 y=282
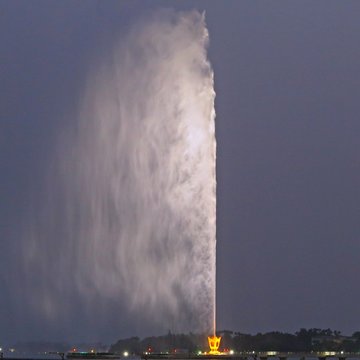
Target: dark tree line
x=166 y=343
x=306 y=340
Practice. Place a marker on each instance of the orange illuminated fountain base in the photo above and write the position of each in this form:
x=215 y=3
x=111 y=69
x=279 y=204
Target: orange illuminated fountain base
x=214 y=343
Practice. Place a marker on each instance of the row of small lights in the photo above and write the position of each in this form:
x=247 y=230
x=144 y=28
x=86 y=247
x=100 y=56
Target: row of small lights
x=92 y=351
x=230 y=352
x=125 y=353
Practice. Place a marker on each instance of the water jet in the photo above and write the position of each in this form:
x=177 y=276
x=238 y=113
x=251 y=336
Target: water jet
x=135 y=180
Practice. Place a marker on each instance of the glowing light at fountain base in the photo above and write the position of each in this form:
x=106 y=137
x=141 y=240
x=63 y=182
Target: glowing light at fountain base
x=214 y=343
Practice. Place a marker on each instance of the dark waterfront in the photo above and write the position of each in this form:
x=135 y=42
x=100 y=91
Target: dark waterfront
x=313 y=343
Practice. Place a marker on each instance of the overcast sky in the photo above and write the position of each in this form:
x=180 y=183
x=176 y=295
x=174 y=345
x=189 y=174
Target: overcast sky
x=287 y=81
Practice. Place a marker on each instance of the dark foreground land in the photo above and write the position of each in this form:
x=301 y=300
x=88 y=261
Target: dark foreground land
x=304 y=340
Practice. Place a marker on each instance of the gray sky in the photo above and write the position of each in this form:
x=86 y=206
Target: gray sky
x=287 y=82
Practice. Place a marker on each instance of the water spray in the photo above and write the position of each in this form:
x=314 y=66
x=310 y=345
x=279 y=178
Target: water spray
x=133 y=216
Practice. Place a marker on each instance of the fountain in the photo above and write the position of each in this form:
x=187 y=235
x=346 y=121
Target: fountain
x=133 y=219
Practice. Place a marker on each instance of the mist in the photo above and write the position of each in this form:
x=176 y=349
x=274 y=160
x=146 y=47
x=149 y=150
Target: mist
x=128 y=213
